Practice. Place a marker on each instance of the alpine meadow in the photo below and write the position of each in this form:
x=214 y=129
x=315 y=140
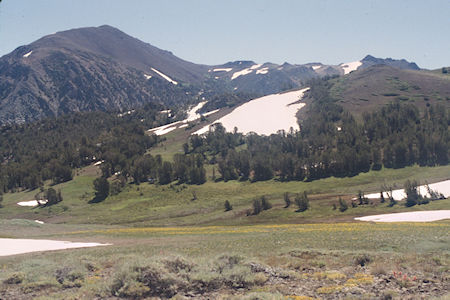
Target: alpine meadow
x=127 y=172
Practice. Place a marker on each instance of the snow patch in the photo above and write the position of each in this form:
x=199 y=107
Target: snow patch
x=147 y=76
x=28 y=54
x=222 y=70
x=20 y=246
x=164 y=76
x=262 y=71
x=265 y=115
x=351 y=66
x=39 y=222
x=415 y=216
x=316 y=67
x=161 y=130
x=99 y=163
x=254 y=67
x=192 y=115
x=31 y=203
x=442 y=187
x=126 y=113
x=241 y=73
x=210 y=112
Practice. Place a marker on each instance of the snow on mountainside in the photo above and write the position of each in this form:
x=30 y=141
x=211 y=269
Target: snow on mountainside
x=192 y=115
x=102 y=68
x=351 y=66
x=265 y=115
x=164 y=76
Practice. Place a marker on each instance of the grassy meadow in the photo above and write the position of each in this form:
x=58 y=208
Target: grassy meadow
x=176 y=241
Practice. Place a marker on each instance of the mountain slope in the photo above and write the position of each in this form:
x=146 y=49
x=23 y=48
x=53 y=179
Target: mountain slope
x=369 y=60
x=88 y=69
x=372 y=87
x=112 y=43
x=102 y=68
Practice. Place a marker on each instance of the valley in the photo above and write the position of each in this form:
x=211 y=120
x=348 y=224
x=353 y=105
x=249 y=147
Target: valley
x=127 y=172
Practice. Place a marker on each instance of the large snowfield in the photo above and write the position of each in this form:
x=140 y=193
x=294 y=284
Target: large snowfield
x=20 y=246
x=265 y=115
x=414 y=216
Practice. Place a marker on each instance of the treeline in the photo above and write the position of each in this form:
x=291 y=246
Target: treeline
x=50 y=149
x=332 y=142
x=184 y=168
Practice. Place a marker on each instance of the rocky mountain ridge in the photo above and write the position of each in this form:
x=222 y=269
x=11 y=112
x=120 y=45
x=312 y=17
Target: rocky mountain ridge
x=102 y=68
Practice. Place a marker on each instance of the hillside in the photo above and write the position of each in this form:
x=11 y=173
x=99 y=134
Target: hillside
x=373 y=87
x=90 y=69
x=104 y=69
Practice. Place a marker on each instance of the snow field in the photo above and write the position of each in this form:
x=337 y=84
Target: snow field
x=415 y=216
x=192 y=116
x=351 y=66
x=262 y=71
x=265 y=115
x=442 y=187
x=20 y=246
x=248 y=71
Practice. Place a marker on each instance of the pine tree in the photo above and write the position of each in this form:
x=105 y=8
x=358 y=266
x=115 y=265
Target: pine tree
x=228 y=206
x=342 y=205
x=101 y=187
x=287 y=200
x=302 y=202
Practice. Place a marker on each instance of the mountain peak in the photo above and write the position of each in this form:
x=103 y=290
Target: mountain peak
x=370 y=60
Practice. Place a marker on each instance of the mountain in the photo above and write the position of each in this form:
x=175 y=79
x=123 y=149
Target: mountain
x=370 y=88
x=369 y=60
x=102 y=68
x=267 y=78
x=90 y=69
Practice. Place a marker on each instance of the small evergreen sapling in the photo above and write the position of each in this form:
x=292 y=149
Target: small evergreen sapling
x=302 y=202
x=287 y=200
x=228 y=205
x=342 y=205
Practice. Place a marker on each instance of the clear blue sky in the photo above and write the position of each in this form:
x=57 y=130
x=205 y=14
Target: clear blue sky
x=217 y=31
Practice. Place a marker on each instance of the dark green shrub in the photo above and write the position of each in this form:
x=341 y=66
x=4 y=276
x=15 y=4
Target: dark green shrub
x=363 y=260
x=228 y=205
x=15 y=278
x=302 y=202
x=412 y=195
x=287 y=200
x=265 y=204
x=342 y=205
